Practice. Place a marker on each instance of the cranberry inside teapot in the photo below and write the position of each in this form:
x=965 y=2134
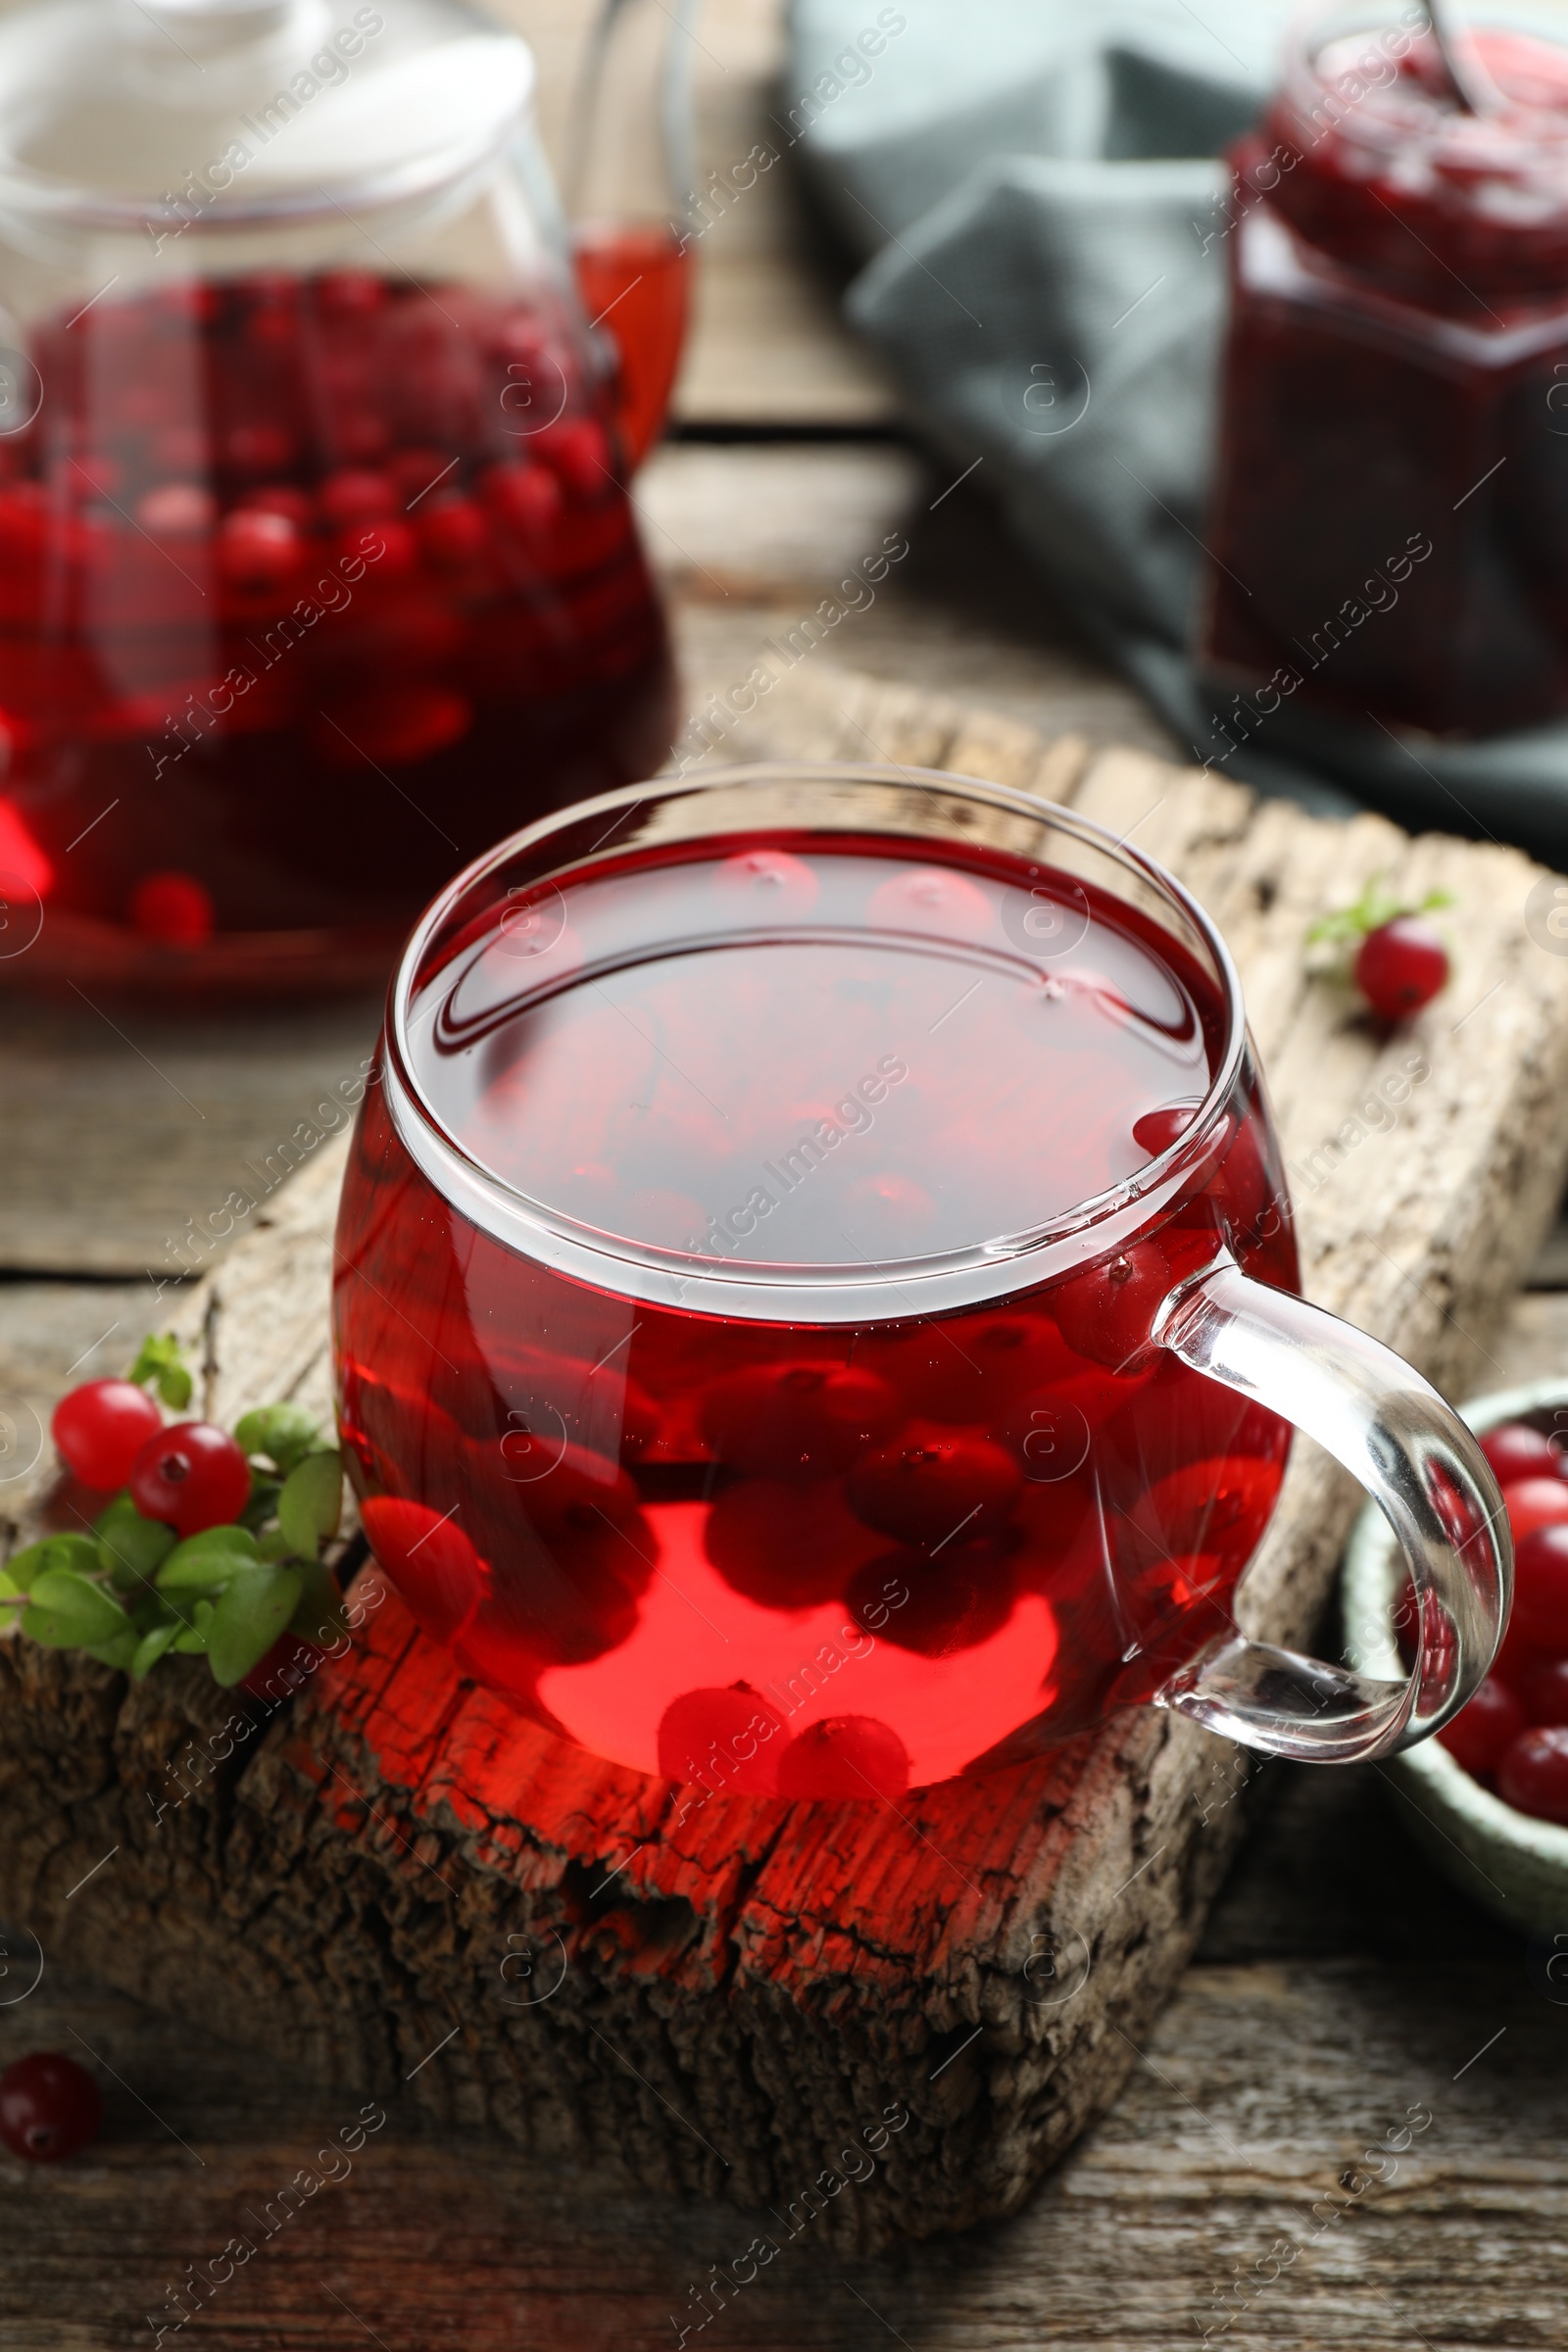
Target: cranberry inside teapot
x=310 y=588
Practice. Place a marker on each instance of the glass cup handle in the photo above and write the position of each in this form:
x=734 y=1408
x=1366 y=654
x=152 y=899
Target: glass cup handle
x=1421 y=1466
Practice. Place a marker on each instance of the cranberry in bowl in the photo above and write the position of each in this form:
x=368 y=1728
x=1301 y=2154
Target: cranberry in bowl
x=1491 y=1792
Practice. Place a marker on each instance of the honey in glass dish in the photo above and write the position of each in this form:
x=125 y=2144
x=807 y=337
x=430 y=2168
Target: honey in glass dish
x=649 y=1420
x=1390 y=532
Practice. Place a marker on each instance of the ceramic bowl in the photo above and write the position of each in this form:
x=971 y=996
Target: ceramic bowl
x=1517 y=1867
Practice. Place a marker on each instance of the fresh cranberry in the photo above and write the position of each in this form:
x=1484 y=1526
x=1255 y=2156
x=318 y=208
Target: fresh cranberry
x=1491 y=1722
x=1427 y=1638
x=845 y=1755
x=394 y=724
x=932 y=899
x=355 y=496
x=384 y=542
x=981 y=1378
x=359 y=433
x=1540 y=1589
x=1400 y=966
x=452 y=532
x=725 y=1740
x=951 y=1600
x=172 y=908
x=420 y=473
x=191 y=1476
x=932 y=1487
x=785 y=1546
x=1222 y=1506
x=1533 y=1774
x=257 y=449
x=527 y=498
x=1532 y=1502
x=350 y=294
x=257 y=548
x=1543 y=1690
x=1104 y=1314
x=177 y=510
x=430 y=1561
x=1517 y=1452
x=581 y=455
x=280 y=498
x=100 y=1428
x=796 y=1421
x=766 y=884
x=49 y=2107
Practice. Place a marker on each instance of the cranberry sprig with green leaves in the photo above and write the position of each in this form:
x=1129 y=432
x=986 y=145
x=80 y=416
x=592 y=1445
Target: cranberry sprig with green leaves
x=209 y=1543
x=1395 y=957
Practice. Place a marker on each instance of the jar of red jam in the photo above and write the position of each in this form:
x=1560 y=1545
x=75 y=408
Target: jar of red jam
x=1390 y=538
x=317 y=571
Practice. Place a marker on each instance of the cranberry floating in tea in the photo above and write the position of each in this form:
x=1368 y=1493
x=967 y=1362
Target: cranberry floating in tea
x=318 y=572
x=815 y=1310
x=1391 y=524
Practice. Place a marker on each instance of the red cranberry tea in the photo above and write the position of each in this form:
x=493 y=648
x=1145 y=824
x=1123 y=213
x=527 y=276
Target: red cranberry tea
x=635 y=284
x=308 y=590
x=801 y=1557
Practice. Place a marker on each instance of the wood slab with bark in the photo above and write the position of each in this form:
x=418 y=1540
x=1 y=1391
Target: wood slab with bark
x=394 y=1879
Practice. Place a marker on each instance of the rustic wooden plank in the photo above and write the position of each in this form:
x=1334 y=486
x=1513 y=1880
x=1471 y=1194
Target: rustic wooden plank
x=1239 y=2130
x=133 y=1134
x=738 y=1985
x=1332 y=1919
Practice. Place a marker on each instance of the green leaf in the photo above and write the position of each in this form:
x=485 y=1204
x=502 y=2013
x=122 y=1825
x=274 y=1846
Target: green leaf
x=273 y=1544
x=151 y=1648
x=248 y=1618
x=67 y=1611
x=263 y=1503
x=205 y=1563
x=118 y=1652
x=311 y=1504
x=79 y=1552
x=319 y=1616
x=283 y=1434
x=194 y=1636
x=1376 y=906
x=130 y=1547
x=162 y=1366
x=8 y=1591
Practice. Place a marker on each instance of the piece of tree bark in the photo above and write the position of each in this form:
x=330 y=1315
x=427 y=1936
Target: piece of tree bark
x=396 y=1877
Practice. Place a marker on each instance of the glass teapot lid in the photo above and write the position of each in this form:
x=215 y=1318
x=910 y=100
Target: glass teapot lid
x=118 y=112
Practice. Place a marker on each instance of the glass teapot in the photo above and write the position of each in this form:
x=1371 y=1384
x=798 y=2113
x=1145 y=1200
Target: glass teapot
x=318 y=572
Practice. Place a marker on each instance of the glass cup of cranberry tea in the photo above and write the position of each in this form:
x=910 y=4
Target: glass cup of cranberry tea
x=817 y=1305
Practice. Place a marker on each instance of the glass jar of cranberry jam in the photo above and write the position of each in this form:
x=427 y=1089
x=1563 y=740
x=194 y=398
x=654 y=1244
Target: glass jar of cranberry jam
x=1389 y=537
x=317 y=571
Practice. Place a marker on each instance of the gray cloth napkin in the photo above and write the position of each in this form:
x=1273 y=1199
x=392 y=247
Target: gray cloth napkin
x=1035 y=184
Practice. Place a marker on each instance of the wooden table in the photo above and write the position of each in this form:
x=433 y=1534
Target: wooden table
x=1341 y=1990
